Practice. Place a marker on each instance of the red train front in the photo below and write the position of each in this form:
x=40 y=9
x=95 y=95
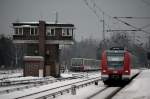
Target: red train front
x=115 y=65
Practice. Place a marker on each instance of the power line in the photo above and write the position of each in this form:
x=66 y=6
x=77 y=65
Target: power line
x=146 y=26
x=94 y=10
x=121 y=30
x=146 y=2
x=131 y=25
x=101 y=11
x=133 y=17
x=115 y=18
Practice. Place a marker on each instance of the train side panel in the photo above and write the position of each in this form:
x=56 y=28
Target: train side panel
x=104 y=69
x=127 y=66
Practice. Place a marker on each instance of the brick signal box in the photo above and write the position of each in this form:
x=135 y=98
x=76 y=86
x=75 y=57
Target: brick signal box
x=42 y=39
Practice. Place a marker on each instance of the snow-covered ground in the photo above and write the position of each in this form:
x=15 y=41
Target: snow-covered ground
x=11 y=71
x=141 y=81
x=10 y=75
x=139 y=88
x=83 y=93
x=46 y=87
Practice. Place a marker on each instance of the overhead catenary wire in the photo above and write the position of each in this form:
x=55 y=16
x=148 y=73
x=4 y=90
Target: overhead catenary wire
x=133 y=17
x=94 y=7
x=95 y=10
x=138 y=29
x=116 y=22
x=146 y=2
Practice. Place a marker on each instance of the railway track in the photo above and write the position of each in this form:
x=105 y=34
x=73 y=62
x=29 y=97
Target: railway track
x=53 y=92
x=105 y=93
x=18 y=88
x=56 y=89
x=21 y=85
x=23 y=81
x=4 y=78
x=109 y=92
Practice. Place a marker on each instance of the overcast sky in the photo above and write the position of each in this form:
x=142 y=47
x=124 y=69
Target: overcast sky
x=75 y=12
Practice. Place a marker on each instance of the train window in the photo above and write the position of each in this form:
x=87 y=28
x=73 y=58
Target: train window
x=115 y=58
x=76 y=62
x=117 y=48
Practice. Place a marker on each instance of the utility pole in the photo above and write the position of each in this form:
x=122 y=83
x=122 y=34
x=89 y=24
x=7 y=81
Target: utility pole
x=103 y=27
x=95 y=9
x=56 y=20
x=103 y=32
x=16 y=57
x=133 y=37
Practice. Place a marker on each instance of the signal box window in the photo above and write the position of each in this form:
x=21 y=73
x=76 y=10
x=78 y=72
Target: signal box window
x=67 y=32
x=50 y=32
x=26 y=30
x=18 y=31
x=33 y=31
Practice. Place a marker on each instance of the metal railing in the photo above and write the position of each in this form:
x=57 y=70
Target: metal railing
x=48 y=81
x=72 y=89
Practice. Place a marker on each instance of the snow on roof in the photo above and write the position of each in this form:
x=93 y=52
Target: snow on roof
x=28 y=22
x=36 y=22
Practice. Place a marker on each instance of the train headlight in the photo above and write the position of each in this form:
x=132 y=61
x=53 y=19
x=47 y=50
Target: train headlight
x=104 y=71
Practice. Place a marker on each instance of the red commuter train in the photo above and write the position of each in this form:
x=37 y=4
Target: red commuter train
x=116 y=65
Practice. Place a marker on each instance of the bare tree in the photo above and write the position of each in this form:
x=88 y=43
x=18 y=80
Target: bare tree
x=6 y=52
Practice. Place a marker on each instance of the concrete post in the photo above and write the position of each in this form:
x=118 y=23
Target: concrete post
x=73 y=89
x=96 y=82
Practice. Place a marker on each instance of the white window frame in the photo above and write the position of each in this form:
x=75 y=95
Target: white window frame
x=18 y=27
x=64 y=31
x=50 y=31
x=33 y=31
x=18 y=32
x=36 y=33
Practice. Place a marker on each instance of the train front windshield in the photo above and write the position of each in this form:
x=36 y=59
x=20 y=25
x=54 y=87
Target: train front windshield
x=115 y=59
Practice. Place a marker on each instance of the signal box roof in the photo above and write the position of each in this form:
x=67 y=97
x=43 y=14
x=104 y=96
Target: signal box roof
x=46 y=23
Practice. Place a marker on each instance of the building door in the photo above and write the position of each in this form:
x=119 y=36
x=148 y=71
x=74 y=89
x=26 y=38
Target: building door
x=48 y=70
x=40 y=72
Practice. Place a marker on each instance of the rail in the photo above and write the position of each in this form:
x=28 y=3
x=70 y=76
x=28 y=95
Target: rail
x=112 y=90
x=63 y=88
x=53 y=95
x=33 y=85
x=6 y=83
